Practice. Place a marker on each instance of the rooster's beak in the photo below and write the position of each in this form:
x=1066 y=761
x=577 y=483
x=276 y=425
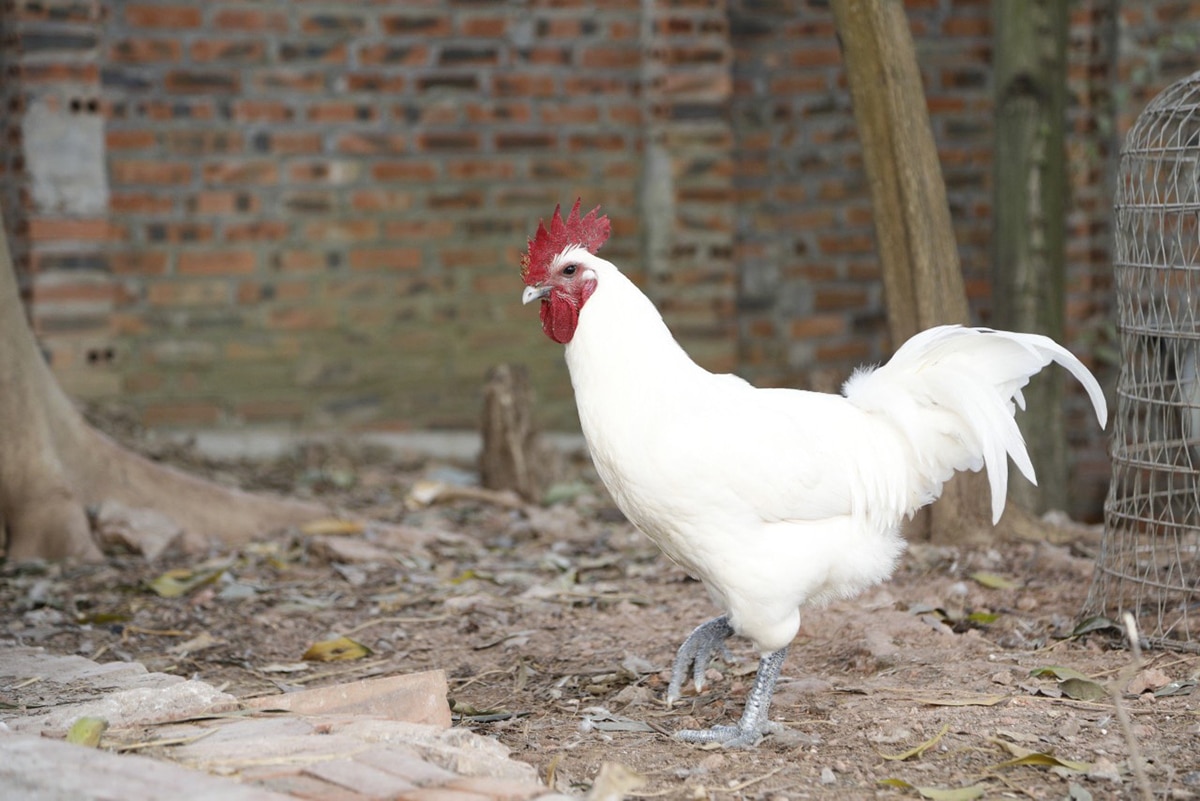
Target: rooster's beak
x=533 y=293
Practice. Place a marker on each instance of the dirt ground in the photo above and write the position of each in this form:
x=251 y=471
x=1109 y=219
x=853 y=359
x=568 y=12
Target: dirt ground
x=556 y=624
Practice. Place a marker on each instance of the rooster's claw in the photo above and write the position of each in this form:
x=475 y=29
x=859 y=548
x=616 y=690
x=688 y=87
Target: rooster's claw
x=695 y=653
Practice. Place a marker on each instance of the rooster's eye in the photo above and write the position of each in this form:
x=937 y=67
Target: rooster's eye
x=570 y=269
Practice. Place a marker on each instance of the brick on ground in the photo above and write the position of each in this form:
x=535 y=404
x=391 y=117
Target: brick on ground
x=347 y=748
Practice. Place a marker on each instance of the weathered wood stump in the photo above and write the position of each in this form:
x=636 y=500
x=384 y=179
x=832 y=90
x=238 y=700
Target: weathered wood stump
x=513 y=456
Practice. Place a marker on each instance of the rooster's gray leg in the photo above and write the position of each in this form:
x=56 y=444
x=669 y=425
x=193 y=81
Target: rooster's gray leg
x=754 y=723
x=695 y=653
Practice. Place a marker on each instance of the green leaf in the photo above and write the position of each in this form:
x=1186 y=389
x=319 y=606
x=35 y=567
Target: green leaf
x=87 y=731
x=939 y=793
x=1082 y=689
x=1182 y=687
x=994 y=582
x=983 y=618
x=1057 y=672
x=920 y=749
x=1097 y=623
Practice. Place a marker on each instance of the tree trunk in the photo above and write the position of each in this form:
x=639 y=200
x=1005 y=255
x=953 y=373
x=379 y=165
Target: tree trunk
x=1029 y=218
x=922 y=277
x=512 y=457
x=54 y=466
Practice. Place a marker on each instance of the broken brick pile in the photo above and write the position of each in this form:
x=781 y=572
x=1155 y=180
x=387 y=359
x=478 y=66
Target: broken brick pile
x=169 y=737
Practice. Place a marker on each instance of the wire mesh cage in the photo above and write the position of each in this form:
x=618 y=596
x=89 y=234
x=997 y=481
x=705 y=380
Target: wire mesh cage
x=1148 y=562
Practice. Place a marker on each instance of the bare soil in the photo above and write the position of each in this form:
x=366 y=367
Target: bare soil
x=556 y=624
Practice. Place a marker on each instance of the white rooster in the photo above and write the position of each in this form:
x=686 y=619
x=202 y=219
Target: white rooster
x=773 y=498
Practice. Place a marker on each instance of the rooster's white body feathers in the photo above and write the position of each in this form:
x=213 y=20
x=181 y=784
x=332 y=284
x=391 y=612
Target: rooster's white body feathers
x=776 y=498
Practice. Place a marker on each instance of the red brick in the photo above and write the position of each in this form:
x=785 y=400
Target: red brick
x=150 y=172
x=139 y=262
x=485 y=27
x=226 y=51
x=145 y=51
x=525 y=85
x=381 y=200
x=356 y=230
x=301 y=319
x=417 y=24
x=225 y=202
x=246 y=19
x=43 y=229
x=371 y=143
x=256 y=231
x=271 y=411
x=155 y=15
x=301 y=261
x=497 y=789
x=341 y=111
x=188 y=293
x=217 y=262
x=413 y=171
x=817 y=325
x=385 y=258
x=182 y=412
x=262 y=111
x=255 y=173
x=376 y=83
x=130 y=140
x=287 y=142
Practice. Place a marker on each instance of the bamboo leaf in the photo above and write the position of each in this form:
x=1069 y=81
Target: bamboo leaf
x=939 y=793
x=1043 y=761
x=920 y=749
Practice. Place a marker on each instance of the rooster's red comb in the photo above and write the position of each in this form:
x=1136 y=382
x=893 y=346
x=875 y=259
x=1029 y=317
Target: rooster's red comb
x=588 y=232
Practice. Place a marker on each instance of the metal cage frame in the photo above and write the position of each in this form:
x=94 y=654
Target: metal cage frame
x=1148 y=563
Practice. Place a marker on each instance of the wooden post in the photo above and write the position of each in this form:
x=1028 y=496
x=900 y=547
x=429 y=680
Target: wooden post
x=1029 y=214
x=922 y=276
x=512 y=457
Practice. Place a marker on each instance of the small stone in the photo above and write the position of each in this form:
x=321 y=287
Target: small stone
x=828 y=776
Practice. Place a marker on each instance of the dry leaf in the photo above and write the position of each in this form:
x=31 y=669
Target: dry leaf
x=200 y=642
x=613 y=782
x=336 y=650
x=331 y=526
x=181 y=581
x=994 y=582
x=1042 y=760
x=920 y=749
x=1149 y=680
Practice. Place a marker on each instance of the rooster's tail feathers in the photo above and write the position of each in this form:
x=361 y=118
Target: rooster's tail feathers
x=952 y=391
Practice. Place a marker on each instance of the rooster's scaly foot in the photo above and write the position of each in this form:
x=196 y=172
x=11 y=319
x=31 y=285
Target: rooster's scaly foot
x=754 y=723
x=695 y=653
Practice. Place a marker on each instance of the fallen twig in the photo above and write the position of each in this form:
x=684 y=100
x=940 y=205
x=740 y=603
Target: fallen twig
x=164 y=742
x=1140 y=779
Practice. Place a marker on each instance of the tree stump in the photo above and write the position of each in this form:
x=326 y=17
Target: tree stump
x=513 y=457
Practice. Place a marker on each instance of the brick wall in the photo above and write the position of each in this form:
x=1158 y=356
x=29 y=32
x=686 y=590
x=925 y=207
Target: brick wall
x=310 y=214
